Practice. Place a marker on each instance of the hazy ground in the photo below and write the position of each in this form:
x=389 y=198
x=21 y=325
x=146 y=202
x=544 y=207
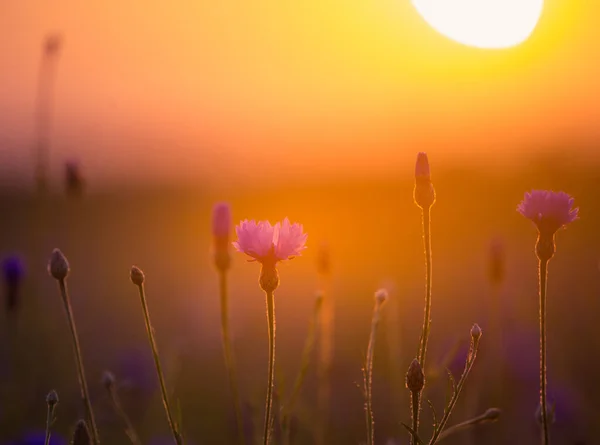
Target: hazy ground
x=375 y=236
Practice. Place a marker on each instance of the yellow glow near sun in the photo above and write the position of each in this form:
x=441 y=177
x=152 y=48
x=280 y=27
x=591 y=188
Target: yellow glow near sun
x=482 y=23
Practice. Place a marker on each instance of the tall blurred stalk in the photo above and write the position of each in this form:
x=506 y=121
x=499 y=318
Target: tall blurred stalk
x=221 y=228
x=326 y=329
x=44 y=108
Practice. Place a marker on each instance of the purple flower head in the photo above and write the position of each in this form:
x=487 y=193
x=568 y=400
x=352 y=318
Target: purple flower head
x=37 y=437
x=221 y=220
x=13 y=269
x=548 y=210
x=266 y=243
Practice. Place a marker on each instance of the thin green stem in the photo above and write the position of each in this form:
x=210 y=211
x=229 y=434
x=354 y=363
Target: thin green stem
x=118 y=407
x=161 y=378
x=228 y=353
x=49 y=419
x=271 y=375
x=543 y=370
x=426 y=213
x=85 y=395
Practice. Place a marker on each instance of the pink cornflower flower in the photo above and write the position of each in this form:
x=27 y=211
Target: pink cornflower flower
x=548 y=210
x=269 y=244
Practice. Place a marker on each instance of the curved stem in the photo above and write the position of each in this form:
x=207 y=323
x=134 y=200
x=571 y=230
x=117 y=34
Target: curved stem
x=271 y=375
x=427 y=316
x=229 y=360
x=129 y=428
x=459 y=387
x=467 y=424
x=49 y=416
x=85 y=394
x=543 y=379
x=161 y=378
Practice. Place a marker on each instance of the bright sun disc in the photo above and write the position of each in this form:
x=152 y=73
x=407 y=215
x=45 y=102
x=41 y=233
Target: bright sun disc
x=482 y=23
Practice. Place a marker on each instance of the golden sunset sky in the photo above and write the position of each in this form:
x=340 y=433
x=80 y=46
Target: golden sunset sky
x=214 y=90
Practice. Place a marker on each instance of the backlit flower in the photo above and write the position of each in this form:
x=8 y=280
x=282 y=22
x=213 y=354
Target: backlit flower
x=266 y=243
x=548 y=210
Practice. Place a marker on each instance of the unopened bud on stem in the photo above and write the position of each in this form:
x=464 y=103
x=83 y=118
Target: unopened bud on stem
x=81 y=435
x=58 y=266
x=415 y=379
x=424 y=193
x=476 y=332
x=52 y=398
x=381 y=296
x=108 y=380
x=137 y=276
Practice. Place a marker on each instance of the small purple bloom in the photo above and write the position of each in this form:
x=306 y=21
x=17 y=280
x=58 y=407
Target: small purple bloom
x=267 y=243
x=548 y=210
x=13 y=270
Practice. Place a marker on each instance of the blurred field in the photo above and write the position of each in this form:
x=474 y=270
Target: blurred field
x=375 y=236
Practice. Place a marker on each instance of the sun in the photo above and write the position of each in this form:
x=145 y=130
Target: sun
x=482 y=23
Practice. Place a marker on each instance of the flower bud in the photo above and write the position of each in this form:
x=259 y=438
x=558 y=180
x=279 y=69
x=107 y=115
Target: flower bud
x=58 y=266
x=52 y=398
x=424 y=193
x=108 y=380
x=475 y=332
x=415 y=379
x=381 y=296
x=137 y=276
x=81 y=435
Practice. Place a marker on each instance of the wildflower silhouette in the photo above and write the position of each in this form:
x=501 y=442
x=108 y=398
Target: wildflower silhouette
x=221 y=229
x=269 y=245
x=424 y=196
x=549 y=211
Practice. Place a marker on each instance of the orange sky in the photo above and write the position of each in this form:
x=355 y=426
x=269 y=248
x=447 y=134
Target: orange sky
x=180 y=90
